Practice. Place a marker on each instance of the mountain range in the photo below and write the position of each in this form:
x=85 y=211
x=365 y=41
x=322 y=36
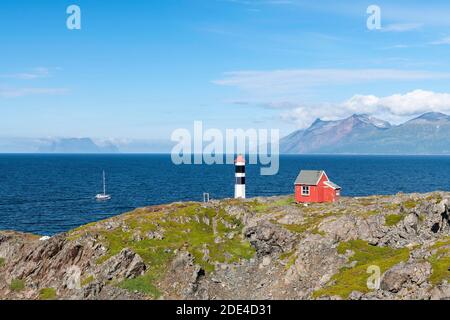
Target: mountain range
x=76 y=145
x=83 y=145
x=357 y=134
x=363 y=134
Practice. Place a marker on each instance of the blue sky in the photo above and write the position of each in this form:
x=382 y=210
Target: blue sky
x=141 y=69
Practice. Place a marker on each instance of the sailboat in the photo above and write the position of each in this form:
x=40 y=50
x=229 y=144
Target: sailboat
x=103 y=196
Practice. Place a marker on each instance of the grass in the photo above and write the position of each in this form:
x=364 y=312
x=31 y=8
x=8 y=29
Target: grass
x=17 y=285
x=285 y=201
x=47 y=294
x=391 y=206
x=262 y=207
x=410 y=204
x=393 y=219
x=187 y=227
x=317 y=231
x=440 y=262
x=436 y=197
x=291 y=261
x=296 y=228
x=369 y=213
x=311 y=222
x=289 y=257
x=440 y=265
x=441 y=243
x=143 y=284
x=87 y=281
x=366 y=201
x=355 y=278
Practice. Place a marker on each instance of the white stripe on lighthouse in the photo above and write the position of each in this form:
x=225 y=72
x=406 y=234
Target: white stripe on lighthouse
x=239 y=188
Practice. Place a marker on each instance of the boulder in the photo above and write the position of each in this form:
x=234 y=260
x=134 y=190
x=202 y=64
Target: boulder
x=441 y=292
x=405 y=275
x=125 y=265
x=268 y=238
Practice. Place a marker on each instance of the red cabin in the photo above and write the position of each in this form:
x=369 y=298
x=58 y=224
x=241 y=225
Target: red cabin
x=314 y=186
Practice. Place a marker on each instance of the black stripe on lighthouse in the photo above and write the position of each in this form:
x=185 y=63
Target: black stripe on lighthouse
x=240 y=180
x=240 y=169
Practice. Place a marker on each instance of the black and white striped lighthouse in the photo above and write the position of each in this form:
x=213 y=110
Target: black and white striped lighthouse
x=239 y=188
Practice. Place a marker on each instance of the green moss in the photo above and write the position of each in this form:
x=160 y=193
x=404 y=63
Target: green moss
x=436 y=197
x=189 y=227
x=370 y=213
x=2 y=262
x=265 y=207
x=355 y=278
x=440 y=267
x=87 y=281
x=366 y=201
x=75 y=234
x=317 y=231
x=297 y=228
x=17 y=285
x=102 y=259
x=142 y=284
x=258 y=206
x=285 y=201
x=393 y=219
x=291 y=261
x=285 y=255
x=47 y=294
x=391 y=206
x=289 y=258
x=440 y=262
x=311 y=223
x=441 y=243
x=410 y=204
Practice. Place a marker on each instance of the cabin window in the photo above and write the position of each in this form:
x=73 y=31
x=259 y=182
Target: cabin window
x=305 y=191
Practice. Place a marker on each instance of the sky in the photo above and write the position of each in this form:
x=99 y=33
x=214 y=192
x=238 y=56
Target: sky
x=142 y=69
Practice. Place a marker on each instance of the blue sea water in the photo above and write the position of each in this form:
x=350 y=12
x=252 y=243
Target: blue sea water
x=49 y=194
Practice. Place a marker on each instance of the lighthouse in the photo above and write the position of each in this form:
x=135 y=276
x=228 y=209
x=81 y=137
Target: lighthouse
x=239 y=188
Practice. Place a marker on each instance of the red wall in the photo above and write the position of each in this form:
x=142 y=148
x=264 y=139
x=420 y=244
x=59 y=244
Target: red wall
x=319 y=193
x=313 y=194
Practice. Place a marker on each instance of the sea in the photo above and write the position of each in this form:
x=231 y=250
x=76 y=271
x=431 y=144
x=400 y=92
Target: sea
x=50 y=194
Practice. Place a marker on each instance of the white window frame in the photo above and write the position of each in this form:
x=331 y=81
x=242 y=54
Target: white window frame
x=306 y=190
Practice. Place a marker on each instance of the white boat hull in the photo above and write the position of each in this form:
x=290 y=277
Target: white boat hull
x=103 y=197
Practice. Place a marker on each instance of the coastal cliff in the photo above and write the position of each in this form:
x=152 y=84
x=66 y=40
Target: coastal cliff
x=262 y=248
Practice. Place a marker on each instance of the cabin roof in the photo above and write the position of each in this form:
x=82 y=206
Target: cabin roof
x=333 y=185
x=309 y=177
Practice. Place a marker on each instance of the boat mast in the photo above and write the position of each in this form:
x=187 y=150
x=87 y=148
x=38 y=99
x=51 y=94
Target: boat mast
x=104 y=183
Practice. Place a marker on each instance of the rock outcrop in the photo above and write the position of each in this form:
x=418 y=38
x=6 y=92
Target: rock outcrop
x=380 y=247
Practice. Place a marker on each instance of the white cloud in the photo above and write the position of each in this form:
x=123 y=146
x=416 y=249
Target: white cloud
x=31 y=75
x=442 y=41
x=295 y=80
x=7 y=91
x=402 y=27
x=22 y=92
x=408 y=104
x=279 y=90
x=394 y=108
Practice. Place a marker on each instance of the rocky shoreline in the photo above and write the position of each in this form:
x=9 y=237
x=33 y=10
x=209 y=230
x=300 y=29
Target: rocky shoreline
x=262 y=248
